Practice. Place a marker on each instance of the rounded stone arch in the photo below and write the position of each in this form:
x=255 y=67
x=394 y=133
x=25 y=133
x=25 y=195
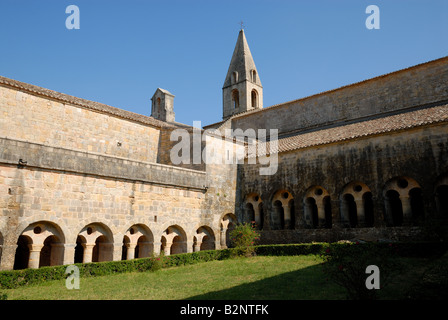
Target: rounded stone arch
x=95 y=243
x=441 y=196
x=253 y=209
x=254 y=100
x=204 y=239
x=403 y=201
x=40 y=244
x=356 y=205
x=317 y=207
x=227 y=223
x=235 y=98
x=138 y=242
x=174 y=240
x=282 y=213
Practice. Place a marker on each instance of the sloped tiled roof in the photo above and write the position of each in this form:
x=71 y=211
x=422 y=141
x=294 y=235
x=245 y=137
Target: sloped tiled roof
x=402 y=121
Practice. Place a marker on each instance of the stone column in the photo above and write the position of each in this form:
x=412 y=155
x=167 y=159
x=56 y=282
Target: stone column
x=197 y=246
x=130 y=252
x=223 y=239
x=287 y=216
x=360 y=212
x=320 y=214
x=88 y=250
x=167 y=248
x=407 y=210
x=189 y=246
x=257 y=215
x=69 y=254
x=7 y=258
x=156 y=249
x=34 y=259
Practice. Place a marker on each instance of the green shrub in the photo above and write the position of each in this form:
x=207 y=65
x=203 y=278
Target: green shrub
x=243 y=238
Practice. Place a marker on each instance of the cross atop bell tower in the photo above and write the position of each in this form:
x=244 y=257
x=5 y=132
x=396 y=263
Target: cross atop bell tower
x=242 y=89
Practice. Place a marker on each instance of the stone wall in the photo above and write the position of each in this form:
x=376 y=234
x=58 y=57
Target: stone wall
x=419 y=154
x=417 y=86
x=74 y=174
x=35 y=118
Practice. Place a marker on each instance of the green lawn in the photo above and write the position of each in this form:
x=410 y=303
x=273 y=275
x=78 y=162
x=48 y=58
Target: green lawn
x=289 y=277
x=261 y=277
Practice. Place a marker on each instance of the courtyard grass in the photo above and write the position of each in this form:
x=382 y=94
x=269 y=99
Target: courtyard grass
x=255 y=278
x=288 y=277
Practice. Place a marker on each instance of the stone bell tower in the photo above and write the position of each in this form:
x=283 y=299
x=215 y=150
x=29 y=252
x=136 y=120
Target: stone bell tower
x=242 y=90
x=162 y=105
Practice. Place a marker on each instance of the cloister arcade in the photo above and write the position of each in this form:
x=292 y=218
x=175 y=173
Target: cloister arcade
x=400 y=200
x=44 y=243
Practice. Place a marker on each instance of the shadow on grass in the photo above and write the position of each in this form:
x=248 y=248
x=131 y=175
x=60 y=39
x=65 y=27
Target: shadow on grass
x=309 y=283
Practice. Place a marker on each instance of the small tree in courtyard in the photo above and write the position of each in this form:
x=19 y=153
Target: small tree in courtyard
x=243 y=237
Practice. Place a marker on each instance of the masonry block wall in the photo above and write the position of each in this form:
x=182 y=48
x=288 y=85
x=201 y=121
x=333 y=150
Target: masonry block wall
x=414 y=87
x=81 y=182
x=34 y=118
x=419 y=156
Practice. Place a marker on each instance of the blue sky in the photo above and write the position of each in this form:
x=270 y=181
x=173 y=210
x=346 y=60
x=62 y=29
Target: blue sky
x=125 y=50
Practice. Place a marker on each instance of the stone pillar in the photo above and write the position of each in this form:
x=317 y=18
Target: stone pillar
x=223 y=238
x=34 y=259
x=7 y=258
x=167 y=248
x=111 y=251
x=407 y=210
x=360 y=212
x=156 y=249
x=287 y=216
x=189 y=246
x=197 y=246
x=69 y=254
x=257 y=215
x=88 y=250
x=321 y=214
x=130 y=252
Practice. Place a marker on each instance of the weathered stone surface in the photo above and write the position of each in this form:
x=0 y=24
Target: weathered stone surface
x=81 y=181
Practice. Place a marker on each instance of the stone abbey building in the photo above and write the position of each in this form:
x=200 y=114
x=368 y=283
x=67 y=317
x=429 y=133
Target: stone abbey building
x=81 y=181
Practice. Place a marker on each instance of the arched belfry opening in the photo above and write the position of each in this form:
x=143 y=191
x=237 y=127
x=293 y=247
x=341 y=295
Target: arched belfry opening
x=235 y=99
x=254 y=99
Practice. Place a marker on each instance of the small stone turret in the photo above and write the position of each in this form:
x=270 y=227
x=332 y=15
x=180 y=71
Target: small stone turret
x=162 y=105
